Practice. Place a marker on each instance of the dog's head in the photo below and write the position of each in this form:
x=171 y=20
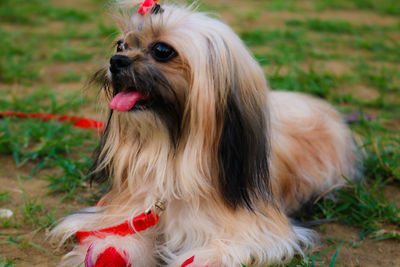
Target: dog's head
x=194 y=79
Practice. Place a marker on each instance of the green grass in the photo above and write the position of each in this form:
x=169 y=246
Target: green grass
x=73 y=176
x=41 y=142
x=4 y=262
x=34 y=213
x=312 y=82
x=262 y=37
x=42 y=100
x=69 y=54
x=4 y=196
x=23 y=243
x=362 y=205
x=32 y=140
x=331 y=26
x=316 y=259
x=278 y=5
x=17 y=57
x=340 y=26
x=389 y=7
x=44 y=143
x=71 y=76
x=24 y=52
x=381 y=146
x=380 y=49
x=37 y=12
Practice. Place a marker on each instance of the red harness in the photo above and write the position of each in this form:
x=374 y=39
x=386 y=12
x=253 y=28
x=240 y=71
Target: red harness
x=111 y=257
x=138 y=224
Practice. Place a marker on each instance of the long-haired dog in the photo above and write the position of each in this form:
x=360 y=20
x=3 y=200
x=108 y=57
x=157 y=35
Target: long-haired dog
x=192 y=123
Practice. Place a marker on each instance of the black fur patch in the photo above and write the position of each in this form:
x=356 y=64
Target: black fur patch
x=157 y=9
x=163 y=101
x=149 y=80
x=243 y=156
x=100 y=176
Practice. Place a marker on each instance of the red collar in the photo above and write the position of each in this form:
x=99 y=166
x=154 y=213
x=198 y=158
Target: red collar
x=129 y=227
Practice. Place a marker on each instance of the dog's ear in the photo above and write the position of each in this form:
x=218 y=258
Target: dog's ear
x=227 y=117
x=243 y=154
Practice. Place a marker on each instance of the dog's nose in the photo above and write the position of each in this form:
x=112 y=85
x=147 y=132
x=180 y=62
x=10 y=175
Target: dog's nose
x=119 y=62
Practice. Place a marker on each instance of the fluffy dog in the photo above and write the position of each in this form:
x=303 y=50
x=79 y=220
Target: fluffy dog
x=192 y=123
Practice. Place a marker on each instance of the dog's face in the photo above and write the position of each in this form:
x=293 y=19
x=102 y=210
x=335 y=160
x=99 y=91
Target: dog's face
x=148 y=74
x=193 y=76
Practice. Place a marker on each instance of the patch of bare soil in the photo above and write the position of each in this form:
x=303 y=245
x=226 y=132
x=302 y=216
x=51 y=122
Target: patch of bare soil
x=83 y=4
x=358 y=253
x=360 y=91
x=335 y=67
x=243 y=16
x=50 y=73
x=53 y=27
x=35 y=249
x=358 y=17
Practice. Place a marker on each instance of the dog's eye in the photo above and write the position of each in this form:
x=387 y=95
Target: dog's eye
x=162 y=52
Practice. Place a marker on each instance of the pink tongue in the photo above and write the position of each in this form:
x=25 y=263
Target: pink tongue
x=124 y=101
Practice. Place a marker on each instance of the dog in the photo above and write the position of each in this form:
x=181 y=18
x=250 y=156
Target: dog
x=193 y=126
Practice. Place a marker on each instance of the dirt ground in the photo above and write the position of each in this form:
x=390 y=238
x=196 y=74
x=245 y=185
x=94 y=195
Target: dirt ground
x=35 y=249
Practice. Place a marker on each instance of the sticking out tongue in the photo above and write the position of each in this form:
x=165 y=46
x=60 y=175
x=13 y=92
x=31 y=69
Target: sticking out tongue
x=124 y=101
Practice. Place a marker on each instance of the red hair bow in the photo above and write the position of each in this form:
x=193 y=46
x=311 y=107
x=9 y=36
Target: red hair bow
x=145 y=6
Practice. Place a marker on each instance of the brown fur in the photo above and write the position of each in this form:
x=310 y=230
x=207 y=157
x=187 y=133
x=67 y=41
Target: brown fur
x=225 y=105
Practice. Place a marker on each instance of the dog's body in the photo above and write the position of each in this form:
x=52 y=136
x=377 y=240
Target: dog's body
x=230 y=159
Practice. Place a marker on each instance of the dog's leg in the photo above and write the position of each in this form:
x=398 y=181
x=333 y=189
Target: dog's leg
x=240 y=237
x=135 y=250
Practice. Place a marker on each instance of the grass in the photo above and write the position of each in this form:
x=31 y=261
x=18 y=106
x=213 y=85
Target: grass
x=262 y=37
x=316 y=259
x=4 y=262
x=68 y=55
x=4 y=196
x=363 y=205
x=33 y=213
x=17 y=62
x=42 y=100
x=72 y=177
x=312 y=82
x=388 y=7
x=40 y=142
x=70 y=76
x=37 y=12
x=45 y=43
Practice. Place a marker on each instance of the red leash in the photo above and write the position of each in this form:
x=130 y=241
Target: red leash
x=76 y=121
